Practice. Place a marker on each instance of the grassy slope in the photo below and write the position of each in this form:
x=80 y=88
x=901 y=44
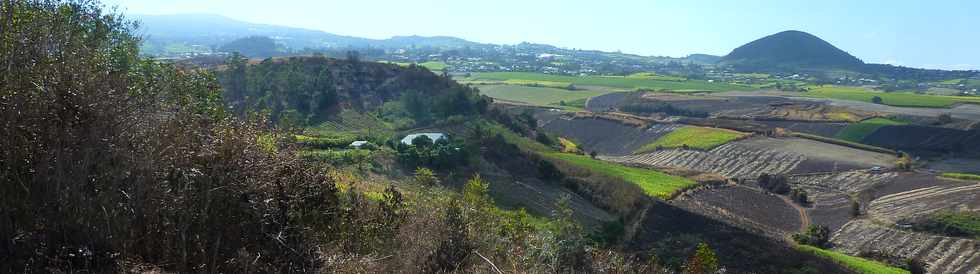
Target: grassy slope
x=856 y=132
x=432 y=66
x=961 y=176
x=860 y=265
x=627 y=82
x=654 y=183
x=902 y=99
x=537 y=95
x=703 y=138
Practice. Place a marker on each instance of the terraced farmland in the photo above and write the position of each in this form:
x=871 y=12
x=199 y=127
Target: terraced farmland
x=943 y=254
x=924 y=201
x=620 y=82
x=822 y=157
x=848 y=182
x=903 y=99
x=730 y=160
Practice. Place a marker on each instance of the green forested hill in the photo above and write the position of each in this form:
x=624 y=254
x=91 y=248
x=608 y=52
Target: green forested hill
x=310 y=90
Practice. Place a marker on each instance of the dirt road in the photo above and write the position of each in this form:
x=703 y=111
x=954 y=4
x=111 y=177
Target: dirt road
x=804 y=218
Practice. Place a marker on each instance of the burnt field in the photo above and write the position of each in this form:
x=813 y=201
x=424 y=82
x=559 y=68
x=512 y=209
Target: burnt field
x=825 y=129
x=960 y=165
x=745 y=207
x=730 y=106
x=673 y=232
x=606 y=101
x=605 y=136
x=926 y=140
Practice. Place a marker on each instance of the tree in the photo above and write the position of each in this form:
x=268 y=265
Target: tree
x=353 y=56
x=593 y=154
x=944 y=118
x=548 y=171
x=77 y=103
x=422 y=142
x=253 y=46
x=915 y=266
x=904 y=162
x=703 y=261
x=568 y=233
x=876 y=100
x=528 y=117
x=774 y=183
x=799 y=196
x=391 y=206
x=815 y=235
x=476 y=193
x=453 y=247
x=544 y=139
x=425 y=177
x=855 y=208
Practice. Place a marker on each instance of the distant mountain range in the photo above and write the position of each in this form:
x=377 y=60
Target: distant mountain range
x=788 y=51
x=791 y=50
x=190 y=32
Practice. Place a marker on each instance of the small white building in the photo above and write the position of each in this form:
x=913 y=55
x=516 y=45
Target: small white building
x=358 y=144
x=432 y=136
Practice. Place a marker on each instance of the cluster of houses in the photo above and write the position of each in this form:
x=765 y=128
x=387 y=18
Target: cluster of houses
x=407 y=140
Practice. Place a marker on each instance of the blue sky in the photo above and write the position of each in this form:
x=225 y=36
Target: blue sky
x=932 y=34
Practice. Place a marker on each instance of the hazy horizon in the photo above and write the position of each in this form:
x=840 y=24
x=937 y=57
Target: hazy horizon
x=938 y=34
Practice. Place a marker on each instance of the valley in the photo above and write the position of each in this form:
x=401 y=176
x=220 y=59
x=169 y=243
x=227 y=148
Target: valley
x=197 y=143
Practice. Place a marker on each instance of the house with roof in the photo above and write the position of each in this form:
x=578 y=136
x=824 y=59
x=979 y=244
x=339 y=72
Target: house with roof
x=432 y=136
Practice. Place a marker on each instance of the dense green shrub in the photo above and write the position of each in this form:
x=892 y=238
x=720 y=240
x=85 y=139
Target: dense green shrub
x=815 y=235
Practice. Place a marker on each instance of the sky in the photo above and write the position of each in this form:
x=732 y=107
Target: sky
x=942 y=34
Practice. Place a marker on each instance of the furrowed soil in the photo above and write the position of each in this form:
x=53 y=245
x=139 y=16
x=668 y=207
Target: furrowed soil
x=905 y=207
x=831 y=194
x=959 y=111
x=605 y=136
x=749 y=158
x=888 y=198
x=823 y=157
x=942 y=254
x=745 y=207
x=729 y=160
